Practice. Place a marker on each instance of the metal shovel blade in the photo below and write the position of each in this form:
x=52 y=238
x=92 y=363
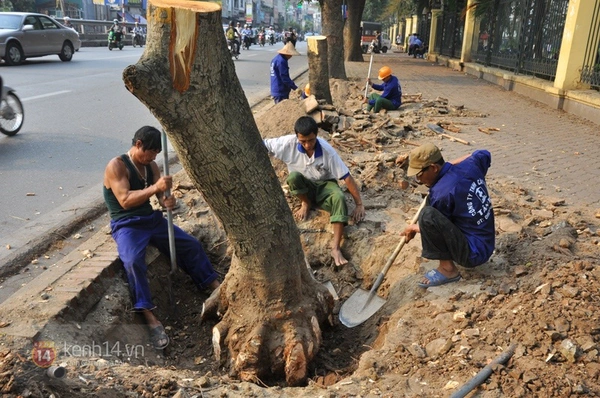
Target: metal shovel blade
x=359 y=307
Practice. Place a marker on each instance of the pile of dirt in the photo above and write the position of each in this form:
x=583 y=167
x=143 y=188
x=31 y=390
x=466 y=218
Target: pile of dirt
x=538 y=292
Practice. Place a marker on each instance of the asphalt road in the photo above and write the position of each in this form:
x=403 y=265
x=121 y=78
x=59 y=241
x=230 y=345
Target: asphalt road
x=78 y=115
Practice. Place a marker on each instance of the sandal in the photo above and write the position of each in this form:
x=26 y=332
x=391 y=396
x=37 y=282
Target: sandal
x=436 y=278
x=158 y=335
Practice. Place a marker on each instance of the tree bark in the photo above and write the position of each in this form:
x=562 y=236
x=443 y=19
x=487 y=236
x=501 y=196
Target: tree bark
x=352 y=49
x=318 y=74
x=271 y=308
x=333 y=29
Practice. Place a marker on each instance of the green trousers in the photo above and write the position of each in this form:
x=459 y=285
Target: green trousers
x=380 y=103
x=326 y=194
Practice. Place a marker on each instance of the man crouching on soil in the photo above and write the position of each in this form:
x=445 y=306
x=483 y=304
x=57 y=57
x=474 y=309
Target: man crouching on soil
x=130 y=180
x=457 y=225
x=314 y=166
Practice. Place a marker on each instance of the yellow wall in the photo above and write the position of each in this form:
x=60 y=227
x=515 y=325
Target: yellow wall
x=574 y=42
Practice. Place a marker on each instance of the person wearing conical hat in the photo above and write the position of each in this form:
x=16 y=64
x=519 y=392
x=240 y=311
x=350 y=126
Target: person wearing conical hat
x=281 y=82
x=391 y=98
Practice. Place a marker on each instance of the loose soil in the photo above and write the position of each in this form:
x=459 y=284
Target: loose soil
x=539 y=291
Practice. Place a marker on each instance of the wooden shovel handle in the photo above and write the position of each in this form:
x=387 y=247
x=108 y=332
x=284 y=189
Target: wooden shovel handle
x=403 y=240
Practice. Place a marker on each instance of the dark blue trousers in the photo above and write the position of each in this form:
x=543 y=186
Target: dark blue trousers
x=135 y=233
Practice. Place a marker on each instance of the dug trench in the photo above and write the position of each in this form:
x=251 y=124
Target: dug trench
x=538 y=291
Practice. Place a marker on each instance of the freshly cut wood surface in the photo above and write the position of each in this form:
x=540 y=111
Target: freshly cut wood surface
x=199 y=6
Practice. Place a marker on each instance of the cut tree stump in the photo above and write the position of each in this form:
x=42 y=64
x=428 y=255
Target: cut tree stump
x=318 y=72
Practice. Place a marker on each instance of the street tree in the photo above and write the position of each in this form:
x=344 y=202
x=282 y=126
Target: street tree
x=352 y=47
x=270 y=309
x=333 y=29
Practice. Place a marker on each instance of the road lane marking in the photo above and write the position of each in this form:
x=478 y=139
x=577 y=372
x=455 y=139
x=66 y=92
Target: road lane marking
x=45 y=95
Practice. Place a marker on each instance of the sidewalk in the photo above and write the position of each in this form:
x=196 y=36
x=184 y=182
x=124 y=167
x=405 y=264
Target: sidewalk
x=548 y=151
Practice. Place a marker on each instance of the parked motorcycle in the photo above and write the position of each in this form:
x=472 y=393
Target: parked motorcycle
x=138 y=39
x=11 y=111
x=374 y=47
x=233 y=49
x=115 y=39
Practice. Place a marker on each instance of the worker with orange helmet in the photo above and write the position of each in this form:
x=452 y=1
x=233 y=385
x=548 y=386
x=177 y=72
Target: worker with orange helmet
x=391 y=98
x=306 y=91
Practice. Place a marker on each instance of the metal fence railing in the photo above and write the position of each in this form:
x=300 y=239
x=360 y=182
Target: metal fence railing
x=590 y=72
x=424 y=28
x=95 y=33
x=522 y=36
x=450 y=30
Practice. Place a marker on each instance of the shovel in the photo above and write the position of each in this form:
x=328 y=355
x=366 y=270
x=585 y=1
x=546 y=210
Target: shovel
x=169 y=225
x=362 y=304
x=327 y=284
x=368 y=76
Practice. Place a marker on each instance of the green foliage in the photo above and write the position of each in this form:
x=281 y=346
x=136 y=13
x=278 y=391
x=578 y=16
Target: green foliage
x=399 y=8
x=309 y=25
x=293 y=25
x=24 y=5
x=482 y=7
x=374 y=10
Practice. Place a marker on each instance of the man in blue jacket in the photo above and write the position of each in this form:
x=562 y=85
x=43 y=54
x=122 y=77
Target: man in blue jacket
x=457 y=225
x=281 y=83
x=391 y=98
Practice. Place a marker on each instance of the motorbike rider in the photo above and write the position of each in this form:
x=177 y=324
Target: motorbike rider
x=117 y=30
x=232 y=36
x=246 y=34
x=115 y=34
x=261 y=36
x=290 y=36
x=271 y=35
x=67 y=22
x=138 y=32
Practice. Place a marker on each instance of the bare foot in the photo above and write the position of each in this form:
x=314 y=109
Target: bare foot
x=302 y=213
x=338 y=257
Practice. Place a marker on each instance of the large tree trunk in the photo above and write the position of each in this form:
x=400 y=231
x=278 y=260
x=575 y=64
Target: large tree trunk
x=352 y=49
x=333 y=29
x=271 y=308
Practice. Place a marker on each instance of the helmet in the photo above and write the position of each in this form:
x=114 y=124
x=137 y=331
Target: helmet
x=115 y=20
x=307 y=89
x=384 y=72
x=66 y=19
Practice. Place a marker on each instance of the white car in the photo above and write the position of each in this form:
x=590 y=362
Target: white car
x=26 y=35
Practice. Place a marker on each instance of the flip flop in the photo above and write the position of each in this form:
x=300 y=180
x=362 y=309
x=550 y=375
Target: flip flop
x=436 y=278
x=156 y=335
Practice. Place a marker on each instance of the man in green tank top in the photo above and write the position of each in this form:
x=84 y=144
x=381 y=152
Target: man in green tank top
x=130 y=180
